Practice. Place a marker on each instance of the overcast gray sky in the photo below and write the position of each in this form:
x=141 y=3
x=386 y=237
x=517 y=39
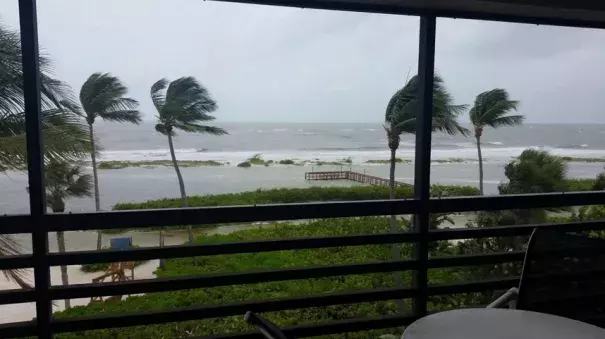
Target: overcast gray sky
x=300 y=65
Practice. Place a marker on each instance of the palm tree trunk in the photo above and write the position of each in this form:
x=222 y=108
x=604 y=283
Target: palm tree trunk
x=64 y=276
x=181 y=185
x=397 y=275
x=392 y=187
x=93 y=158
x=480 y=164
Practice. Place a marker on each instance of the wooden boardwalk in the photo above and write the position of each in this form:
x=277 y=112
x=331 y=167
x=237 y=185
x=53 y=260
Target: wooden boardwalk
x=354 y=176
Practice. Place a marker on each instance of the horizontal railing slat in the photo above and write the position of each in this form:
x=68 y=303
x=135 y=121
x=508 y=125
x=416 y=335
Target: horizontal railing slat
x=213 y=280
x=475 y=259
x=16 y=262
x=473 y=286
x=515 y=230
x=226 y=214
x=18 y=329
x=17 y=296
x=234 y=214
x=184 y=251
x=14 y=224
x=224 y=310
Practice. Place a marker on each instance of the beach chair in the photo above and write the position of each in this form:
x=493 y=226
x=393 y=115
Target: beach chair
x=116 y=271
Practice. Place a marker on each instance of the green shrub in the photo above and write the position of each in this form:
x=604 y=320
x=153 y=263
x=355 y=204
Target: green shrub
x=244 y=164
x=287 y=162
x=386 y=162
x=576 y=159
x=599 y=183
x=154 y=163
x=580 y=185
x=256 y=160
x=298 y=195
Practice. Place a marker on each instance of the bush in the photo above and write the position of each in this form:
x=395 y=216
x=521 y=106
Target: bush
x=256 y=160
x=298 y=195
x=244 y=164
x=388 y=161
x=154 y=163
x=599 y=183
x=580 y=185
x=287 y=162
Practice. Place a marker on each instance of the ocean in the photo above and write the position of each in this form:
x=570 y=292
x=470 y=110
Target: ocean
x=303 y=141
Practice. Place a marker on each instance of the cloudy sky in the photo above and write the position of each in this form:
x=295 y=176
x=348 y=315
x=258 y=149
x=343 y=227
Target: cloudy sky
x=299 y=65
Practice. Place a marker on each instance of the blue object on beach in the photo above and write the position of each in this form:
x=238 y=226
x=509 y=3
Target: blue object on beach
x=121 y=243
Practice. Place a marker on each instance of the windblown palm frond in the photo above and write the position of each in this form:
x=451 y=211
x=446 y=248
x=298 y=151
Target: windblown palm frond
x=62 y=132
x=65 y=137
x=183 y=104
x=491 y=109
x=9 y=247
x=402 y=109
x=102 y=95
x=64 y=180
x=11 y=77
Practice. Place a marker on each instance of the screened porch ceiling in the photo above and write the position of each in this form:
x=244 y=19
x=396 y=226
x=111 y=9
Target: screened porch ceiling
x=586 y=13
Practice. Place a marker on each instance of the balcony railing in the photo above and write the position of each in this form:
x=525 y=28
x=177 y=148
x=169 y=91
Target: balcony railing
x=151 y=218
x=38 y=223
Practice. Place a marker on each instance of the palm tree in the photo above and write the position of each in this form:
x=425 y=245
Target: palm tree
x=63 y=181
x=491 y=109
x=400 y=117
x=102 y=96
x=62 y=132
x=183 y=104
x=65 y=138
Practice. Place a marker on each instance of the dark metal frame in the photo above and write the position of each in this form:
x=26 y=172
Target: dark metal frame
x=39 y=224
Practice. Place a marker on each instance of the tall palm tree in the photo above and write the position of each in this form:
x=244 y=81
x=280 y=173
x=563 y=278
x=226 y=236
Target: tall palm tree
x=102 y=96
x=65 y=138
x=63 y=132
x=400 y=117
x=64 y=135
x=62 y=182
x=491 y=109
x=183 y=104
x=401 y=113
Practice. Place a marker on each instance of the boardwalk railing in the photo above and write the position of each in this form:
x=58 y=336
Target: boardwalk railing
x=353 y=176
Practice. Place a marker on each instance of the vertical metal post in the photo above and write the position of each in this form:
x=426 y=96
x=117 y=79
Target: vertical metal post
x=422 y=170
x=35 y=162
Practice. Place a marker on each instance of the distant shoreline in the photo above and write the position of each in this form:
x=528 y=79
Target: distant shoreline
x=115 y=164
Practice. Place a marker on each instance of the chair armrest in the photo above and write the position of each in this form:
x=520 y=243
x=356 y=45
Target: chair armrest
x=509 y=297
x=267 y=328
